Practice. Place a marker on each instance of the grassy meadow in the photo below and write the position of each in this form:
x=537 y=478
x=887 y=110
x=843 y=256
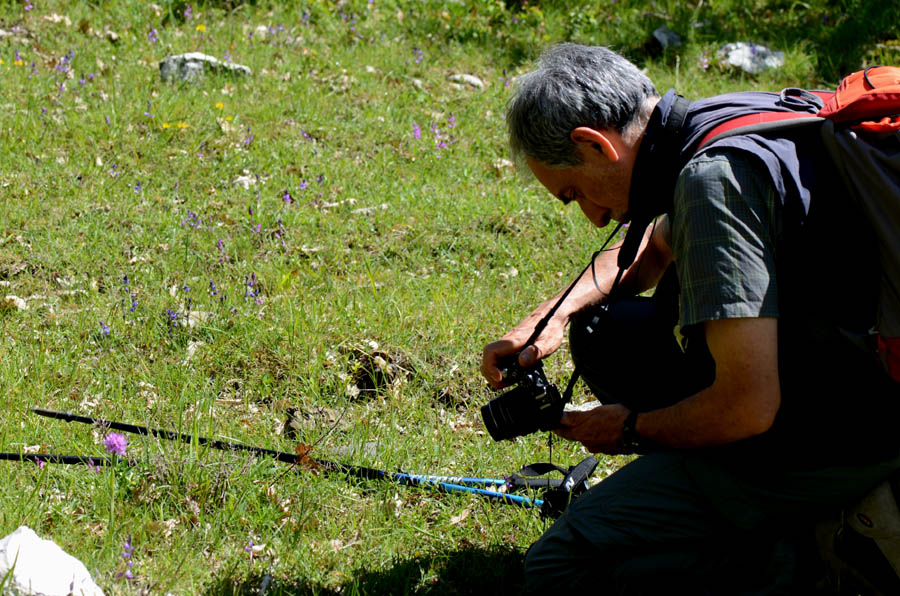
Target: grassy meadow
x=311 y=256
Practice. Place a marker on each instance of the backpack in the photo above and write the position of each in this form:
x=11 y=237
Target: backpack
x=860 y=128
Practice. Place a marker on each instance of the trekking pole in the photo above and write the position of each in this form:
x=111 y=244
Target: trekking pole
x=448 y=484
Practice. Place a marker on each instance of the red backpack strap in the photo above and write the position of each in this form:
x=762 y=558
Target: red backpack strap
x=759 y=122
x=748 y=123
x=889 y=348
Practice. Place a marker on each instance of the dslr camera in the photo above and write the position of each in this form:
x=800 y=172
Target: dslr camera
x=533 y=404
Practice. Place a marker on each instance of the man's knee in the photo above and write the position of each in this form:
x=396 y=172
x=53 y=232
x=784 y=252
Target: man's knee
x=560 y=558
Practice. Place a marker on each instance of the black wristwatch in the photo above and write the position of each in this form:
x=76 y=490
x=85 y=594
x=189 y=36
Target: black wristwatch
x=631 y=440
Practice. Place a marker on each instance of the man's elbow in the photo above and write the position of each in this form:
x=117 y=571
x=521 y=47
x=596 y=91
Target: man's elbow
x=759 y=414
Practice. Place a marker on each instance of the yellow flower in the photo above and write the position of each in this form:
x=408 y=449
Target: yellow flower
x=18 y=63
x=183 y=125
x=1 y=61
x=201 y=28
x=229 y=118
x=166 y=125
x=220 y=106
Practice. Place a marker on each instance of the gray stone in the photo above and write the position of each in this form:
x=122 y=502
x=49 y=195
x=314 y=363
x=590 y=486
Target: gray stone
x=750 y=57
x=463 y=80
x=194 y=65
x=666 y=38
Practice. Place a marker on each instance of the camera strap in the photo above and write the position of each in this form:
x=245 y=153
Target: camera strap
x=559 y=493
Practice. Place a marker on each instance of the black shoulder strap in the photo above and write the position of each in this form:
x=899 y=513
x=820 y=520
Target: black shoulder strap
x=651 y=195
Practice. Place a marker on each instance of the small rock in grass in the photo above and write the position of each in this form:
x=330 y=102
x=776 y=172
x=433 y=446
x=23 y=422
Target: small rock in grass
x=501 y=165
x=463 y=80
x=14 y=302
x=194 y=65
x=750 y=57
x=244 y=181
x=31 y=566
x=663 y=39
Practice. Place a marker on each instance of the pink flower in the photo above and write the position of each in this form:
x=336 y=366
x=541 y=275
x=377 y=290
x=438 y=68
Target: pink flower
x=115 y=443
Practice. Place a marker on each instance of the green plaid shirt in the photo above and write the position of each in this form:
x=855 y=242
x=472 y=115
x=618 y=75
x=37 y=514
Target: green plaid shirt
x=724 y=225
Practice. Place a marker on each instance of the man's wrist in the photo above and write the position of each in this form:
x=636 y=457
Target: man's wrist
x=631 y=440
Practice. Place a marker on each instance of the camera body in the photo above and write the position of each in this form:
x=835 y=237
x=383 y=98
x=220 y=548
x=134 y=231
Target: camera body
x=533 y=404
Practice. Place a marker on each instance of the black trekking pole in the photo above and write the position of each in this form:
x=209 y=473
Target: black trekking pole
x=448 y=484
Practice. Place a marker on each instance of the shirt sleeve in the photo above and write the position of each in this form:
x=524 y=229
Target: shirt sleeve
x=723 y=238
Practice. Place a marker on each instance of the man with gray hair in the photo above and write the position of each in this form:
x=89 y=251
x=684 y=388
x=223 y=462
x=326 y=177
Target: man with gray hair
x=746 y=424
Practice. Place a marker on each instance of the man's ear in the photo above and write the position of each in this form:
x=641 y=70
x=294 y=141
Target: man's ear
x=587 y=138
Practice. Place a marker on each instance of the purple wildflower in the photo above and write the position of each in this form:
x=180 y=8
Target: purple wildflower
x=303 y=184
x=127 y=549
x=171 y=319
x=115 y=443
x=221 y=246
x=256 y=229
x=249 y=282
x=417 y=132
x=152 y=35
x=287 y=196
x=138 y=187
x=192 y=220
x=29 y=6
x=188 y=13
x=104 y=329
x=40 y=463
x=320 y=178
x=249 y=547
x=703 y=61
x=107 y=120
x=92 y=466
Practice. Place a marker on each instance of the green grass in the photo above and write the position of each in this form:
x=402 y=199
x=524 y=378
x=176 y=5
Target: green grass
x=109 y=172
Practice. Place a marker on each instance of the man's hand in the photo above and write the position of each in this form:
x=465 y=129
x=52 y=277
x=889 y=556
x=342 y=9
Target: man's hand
x=514 y=341
x=598 y=429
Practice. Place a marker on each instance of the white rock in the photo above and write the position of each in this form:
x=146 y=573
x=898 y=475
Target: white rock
x=466 y=79
x=750 y=57
x=502 y=164
x=193 y=65
x=11 y=302
x=41 y=568
x=245 y=181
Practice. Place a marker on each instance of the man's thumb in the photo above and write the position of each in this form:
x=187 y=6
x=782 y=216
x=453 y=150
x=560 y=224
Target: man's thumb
x=528 y=356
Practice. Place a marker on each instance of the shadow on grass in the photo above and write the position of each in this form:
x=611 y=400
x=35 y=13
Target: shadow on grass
x=468 y=570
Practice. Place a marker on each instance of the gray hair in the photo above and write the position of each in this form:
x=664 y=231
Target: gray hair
x=574 y=85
